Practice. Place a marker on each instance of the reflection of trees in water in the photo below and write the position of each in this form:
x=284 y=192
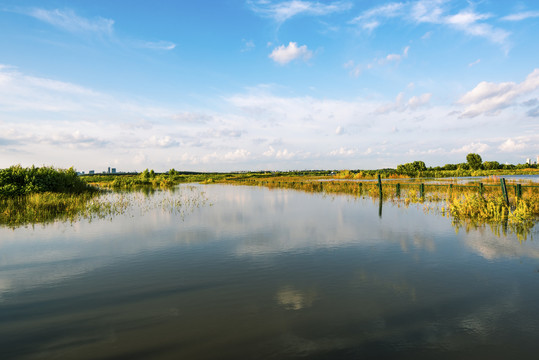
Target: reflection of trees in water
x=294 y=299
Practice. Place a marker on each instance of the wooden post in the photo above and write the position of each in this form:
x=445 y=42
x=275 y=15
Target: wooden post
x=398 y=190
x=519 y=191
x=504 y=191
x=380 y=185
x=422 y=190
x=481 y=188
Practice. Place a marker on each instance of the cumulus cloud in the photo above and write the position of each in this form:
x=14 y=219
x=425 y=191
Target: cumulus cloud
x=69 y=21
x=433 y=12
x=511 y=145
x=489 y=98
x=281 y=12
x=285 y=54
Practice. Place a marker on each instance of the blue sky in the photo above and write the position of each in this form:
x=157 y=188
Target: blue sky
x=267 y=85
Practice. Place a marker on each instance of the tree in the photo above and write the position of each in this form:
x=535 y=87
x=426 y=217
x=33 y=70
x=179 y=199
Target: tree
x=474 y=161
x=491 y=165
x=145 y=174
x=411 y=169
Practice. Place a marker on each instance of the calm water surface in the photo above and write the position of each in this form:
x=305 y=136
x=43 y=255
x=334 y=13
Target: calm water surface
x=253 y=273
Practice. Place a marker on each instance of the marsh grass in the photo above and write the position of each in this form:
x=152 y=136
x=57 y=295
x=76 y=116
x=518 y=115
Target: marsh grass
x=45 y=208
x=467 y=205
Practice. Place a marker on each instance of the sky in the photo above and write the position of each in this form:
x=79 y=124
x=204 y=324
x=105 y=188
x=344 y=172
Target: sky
x=236 y=85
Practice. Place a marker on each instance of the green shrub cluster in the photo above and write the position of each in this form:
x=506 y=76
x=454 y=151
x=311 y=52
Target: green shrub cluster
x=19 y=181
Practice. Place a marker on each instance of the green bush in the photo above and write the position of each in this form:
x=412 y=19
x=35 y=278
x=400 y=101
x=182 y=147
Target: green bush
x=18 y=181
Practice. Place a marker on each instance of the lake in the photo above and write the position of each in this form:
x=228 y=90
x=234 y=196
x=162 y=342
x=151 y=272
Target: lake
x=242 y=272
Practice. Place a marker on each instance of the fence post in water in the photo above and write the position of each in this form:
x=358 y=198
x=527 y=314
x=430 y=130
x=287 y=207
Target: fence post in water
x=518 y=191
x=504 y=191
x=380 y=185
x=398 y=190
x=422 y=190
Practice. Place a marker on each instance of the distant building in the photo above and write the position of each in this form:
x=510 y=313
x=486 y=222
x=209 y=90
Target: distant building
x=91 y=172
x=113 y=170
x=528 y=161
x=108 y=171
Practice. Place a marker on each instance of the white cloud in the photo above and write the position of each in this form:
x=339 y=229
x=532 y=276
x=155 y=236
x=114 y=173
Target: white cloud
x=465 y=18
x=521 y=16
x=158 y=45
x=427 y=11
x=342 y=151
x=417 y=101
x=357 y=69
x=474 y=63
x=401 y=104
x=238 y=154
x=367 y=19
x=427 y=35
x=248 y=45
x=68 y=20
x=40 y=118
x=284 y=11
x=511 y=145
x=161 y=141
x=475 y=147
x=285 y=54
x=282 y=154
x=489 y=98
x=434 y=12
x=467 y=21
x=395 y=57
